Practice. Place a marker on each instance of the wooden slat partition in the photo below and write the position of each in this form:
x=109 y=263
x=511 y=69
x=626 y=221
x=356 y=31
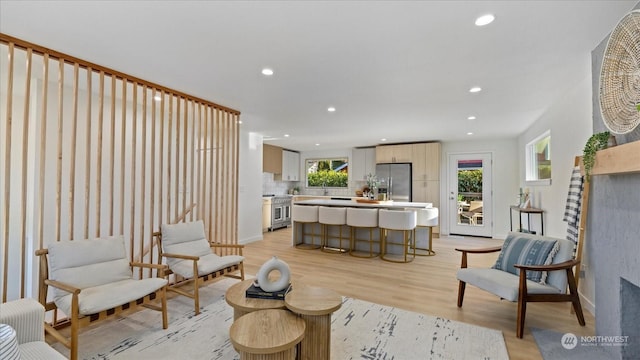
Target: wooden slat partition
x=109 y=159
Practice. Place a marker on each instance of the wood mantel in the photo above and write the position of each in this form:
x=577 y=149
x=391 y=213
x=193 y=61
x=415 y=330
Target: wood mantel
x=620 y=159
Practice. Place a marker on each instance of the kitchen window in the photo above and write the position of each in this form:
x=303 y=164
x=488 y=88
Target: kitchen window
x=538 y=160
x=325 y=173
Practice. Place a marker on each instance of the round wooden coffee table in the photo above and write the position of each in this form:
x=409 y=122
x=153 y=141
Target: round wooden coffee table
x=267 y=334
x=241 y=305
x=315 y=305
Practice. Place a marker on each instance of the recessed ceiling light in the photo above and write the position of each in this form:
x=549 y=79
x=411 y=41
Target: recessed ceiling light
x=331 y=109
x=475 y=89
x=317 y=144
x=383 y=139
x=485 y=20
x=267 y=71
x=469 y=133
x=286 y=135
x=157 y=98
x=239 y=121
x=471 y=118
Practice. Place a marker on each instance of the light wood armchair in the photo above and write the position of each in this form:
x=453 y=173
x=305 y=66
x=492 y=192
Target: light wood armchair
x=518 y=288
x=193 y=260
x=92 y=280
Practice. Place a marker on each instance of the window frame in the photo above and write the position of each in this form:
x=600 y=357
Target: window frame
x=531 y=160
x=344 y=159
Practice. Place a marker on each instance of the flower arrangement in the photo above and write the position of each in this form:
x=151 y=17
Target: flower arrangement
x=372 y=181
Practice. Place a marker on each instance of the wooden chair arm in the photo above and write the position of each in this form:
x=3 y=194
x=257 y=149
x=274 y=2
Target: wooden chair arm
x=559 y=266
x=480 y=251
x=41 y=252
x=179 y=256
x=234 y=246
x=62 y=286
x=149 y=266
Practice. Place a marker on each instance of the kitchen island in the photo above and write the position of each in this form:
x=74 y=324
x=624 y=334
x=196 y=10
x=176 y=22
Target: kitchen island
x=422 y=234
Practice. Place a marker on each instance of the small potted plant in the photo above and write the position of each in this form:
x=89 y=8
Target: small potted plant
x=596 y=142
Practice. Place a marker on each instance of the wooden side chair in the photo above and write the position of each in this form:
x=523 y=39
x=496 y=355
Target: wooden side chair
x=512 y=280
x=92 y=280
x=189 y=255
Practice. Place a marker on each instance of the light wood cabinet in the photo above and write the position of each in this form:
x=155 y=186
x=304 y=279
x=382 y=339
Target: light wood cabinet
x=393 y=153
x=271 y=159
x=426 y=161
x=290 y=166
x=363 y=163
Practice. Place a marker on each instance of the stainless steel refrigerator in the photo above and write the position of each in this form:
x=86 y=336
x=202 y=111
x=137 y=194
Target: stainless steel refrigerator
x=395 y=180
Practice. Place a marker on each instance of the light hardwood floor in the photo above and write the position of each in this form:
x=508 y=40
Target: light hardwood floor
x=428 y=285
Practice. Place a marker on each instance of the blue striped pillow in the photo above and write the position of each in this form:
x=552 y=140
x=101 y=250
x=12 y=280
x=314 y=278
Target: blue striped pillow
x=526 y=251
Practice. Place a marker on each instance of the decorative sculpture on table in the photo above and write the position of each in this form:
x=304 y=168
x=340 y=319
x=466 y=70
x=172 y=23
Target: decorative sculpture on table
x=273 y=264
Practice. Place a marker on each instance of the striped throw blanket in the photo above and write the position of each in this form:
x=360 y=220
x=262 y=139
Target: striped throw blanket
x=572 y=209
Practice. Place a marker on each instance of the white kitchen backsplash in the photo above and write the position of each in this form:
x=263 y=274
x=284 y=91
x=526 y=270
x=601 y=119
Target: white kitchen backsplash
x=276 y=187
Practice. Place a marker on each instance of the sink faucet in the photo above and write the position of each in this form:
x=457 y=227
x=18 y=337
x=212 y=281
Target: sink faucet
x=324 y=189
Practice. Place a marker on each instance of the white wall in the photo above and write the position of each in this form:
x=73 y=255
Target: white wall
x=505 y=179
x=250 y=187
x=570 y=122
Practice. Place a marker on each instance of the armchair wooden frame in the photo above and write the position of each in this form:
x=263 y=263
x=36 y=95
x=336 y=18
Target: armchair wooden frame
x=74 y=320
x=178 y=286
x=523 y=295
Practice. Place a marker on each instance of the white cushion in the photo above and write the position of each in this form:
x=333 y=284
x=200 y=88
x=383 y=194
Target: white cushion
x=427 y=217
x=397 y=219
x=38 y=350
x=332 y=215
x=95 y=299
x=88 y=263
x=362 y=217
x=184 y=239
x=206 y=265
x=502 y=283
x=8 y=343
x=303 y=213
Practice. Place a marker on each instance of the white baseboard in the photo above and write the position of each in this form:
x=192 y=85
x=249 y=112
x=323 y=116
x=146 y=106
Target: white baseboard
x=587 y=304
x=250 y=240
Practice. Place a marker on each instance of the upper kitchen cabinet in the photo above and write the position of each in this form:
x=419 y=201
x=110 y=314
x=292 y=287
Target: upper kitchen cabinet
x=272 y=159
x=290 y=166
x=393 y=153
x=426 y=161
x=363 y=162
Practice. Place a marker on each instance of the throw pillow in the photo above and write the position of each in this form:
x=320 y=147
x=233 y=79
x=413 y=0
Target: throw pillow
x=526 y=251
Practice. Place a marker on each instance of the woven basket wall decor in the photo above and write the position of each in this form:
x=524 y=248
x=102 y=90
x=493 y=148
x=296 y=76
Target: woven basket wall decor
x=620 y=76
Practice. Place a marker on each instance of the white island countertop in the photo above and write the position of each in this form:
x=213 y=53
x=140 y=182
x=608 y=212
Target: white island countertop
x=353 y=203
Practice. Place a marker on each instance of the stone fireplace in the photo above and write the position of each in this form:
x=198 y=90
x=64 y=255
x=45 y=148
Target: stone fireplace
x=613 y=241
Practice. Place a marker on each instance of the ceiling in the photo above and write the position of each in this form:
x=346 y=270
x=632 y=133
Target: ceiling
x=398 y=70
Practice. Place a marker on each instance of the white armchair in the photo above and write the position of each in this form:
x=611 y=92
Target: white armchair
x=26 y=318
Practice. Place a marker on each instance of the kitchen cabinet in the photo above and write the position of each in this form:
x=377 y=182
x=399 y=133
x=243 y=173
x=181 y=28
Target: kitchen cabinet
x=426 y=161
x=393 y=153
x=363 y=163
x=272 y=159
x=290 y=166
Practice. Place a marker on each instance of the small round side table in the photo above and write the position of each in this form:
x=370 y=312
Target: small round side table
x=267 y=334
x=241 y=305
x=315 y=305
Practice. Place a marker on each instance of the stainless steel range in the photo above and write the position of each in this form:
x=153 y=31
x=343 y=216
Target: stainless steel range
x=280 y=211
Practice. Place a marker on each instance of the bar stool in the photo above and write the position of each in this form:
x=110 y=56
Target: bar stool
x=397 y=220
x=301 y=216
x=362 y=219
x=427 y=218
x=332 y=216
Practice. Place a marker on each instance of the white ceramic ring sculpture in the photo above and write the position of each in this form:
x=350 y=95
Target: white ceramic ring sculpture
x=263 y=275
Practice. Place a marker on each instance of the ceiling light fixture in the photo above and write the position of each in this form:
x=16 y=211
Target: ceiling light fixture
x=239 y=121
x=317 y=144
x=286 y=135
x=383 y=139
x=469 y=133
x=157 y=98
x=475 y=89
x=471 y=118
x=267 y=71
x=331 y=109
x=485 y=20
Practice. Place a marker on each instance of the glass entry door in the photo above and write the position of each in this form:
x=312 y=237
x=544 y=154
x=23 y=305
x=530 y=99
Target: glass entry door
x=470 y=200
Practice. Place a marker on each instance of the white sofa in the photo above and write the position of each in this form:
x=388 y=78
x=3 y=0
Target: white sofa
x=26 y=317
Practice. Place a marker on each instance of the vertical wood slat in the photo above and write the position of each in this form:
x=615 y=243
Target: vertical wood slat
x=191 y=188
x=184 y=158
x=99 y=156
x=200 y=149
x=143 y=171
x=161 y=165
x=25 y=149
x=134 y=136
x=7 y=178
x=59 y=151
x=177 y=194
x=72 y=154
x=152 y=172
x=169 y=147
x=212 y=181
x=87 y=164
x=112 y=152
x=43 y=147
x=236 y=179
x=123 y=140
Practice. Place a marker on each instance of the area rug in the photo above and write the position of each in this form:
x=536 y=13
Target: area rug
x=360 y=330
x=551 y=348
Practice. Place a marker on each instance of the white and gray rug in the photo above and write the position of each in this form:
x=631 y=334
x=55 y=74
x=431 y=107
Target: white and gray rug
x=360 y=330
